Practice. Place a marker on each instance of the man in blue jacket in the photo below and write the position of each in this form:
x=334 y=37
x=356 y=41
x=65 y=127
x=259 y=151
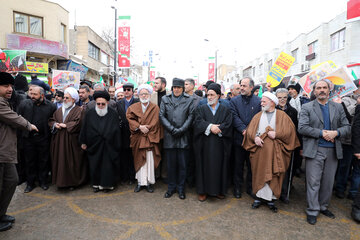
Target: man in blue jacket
x=244 y=107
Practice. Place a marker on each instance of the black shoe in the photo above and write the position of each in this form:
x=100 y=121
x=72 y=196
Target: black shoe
x=29 y=188
x=95 y=189
x=5 y=226
x=150 y=188
x=7 y=218
x=311 y=219
x=237 y=193
x=131 y=182
x=106 y=190
x=137 y=188
x=355 y=214
x=44 y=187
x=168 y=194
x=71 y=188
x=328 y=213
x=339 y=194
x=284 y=200
x=255 y=204
x=182 y=195
x=273 y=208
x=249 y=192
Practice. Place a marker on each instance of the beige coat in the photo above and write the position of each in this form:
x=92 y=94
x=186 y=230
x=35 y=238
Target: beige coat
x=9 y=121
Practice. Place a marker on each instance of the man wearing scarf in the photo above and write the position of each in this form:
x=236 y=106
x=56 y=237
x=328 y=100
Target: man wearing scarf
x=100 y=136
x=69 y=168
x=145 y=128
x=270 y=138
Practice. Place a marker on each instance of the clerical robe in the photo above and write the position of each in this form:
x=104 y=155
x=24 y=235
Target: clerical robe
x=102 y=135
x=270 y=162
x=140 y=143
x=68 y=161
x=212 y=152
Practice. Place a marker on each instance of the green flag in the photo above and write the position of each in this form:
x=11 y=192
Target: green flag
x=260 y=92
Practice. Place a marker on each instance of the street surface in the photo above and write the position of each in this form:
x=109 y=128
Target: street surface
x=123 y=214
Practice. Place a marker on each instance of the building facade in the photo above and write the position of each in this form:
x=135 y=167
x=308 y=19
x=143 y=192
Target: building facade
x=337 y=40
x=40 y=27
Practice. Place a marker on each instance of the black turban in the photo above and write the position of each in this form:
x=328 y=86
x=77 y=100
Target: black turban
x=102 y=94
x=6 y=78
x=215 y=87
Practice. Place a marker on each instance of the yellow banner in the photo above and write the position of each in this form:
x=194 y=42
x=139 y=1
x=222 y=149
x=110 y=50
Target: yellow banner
x=279 y=69
x=35 y=67
x=332 y=65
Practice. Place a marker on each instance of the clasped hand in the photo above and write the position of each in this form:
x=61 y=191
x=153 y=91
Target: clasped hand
x=60 y=125
x=329 y=135
x=144 y=129
x=215 y=129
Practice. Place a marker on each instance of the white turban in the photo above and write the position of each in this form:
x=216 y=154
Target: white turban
x=145 y=86
x=118 y=90
x=271 y=96
x=73 y=93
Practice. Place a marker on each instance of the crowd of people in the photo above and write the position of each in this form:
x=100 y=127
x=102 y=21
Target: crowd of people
x=109 y=136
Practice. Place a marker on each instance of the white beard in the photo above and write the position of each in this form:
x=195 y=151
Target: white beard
x=265 y=108
x=101 y=112
x=212 y=102
x=67 y=105
x=144 y=100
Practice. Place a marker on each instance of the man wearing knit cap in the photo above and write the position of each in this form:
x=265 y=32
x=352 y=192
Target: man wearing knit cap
x=270 y=145
x=100 y=136
x=176 y=115
x=69 y=168
x=212 y=138
x=9 y=122
x=296 y=100
x=143 y=118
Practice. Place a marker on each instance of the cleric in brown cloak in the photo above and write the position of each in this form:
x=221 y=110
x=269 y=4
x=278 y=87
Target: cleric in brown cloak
x=270 y=138
x=69 y=165
x=212 y=144
x=145 y=128
x=100 y=136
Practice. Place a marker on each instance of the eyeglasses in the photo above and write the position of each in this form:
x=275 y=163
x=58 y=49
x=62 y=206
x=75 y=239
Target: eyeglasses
x=128 y=89
x=66 y=98
x=100 y=104
x=144 y=94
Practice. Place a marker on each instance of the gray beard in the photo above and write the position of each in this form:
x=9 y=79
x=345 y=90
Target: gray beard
x=144 y=100
x=67 y=105
x=266 y=108
x=101 y=112
x=212 y=102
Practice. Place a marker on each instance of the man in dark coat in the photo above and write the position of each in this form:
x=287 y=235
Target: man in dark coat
x=283 y=95
x=69 y=165
x=9 y=122
x=243 y=107
x=355 y=140
x=21 y=83
x=36 y=145
x=100 y=136
x=212 y=140
x=36 y=81
x=127 y=169
x=176 y=115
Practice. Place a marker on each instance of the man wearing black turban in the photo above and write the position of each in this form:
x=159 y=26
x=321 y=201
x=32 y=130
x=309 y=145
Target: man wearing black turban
x=100 y=136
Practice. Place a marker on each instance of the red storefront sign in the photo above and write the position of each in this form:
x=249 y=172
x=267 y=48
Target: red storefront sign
x=353 y=10
x=36 y=45
x=211 y=71
x=152 y=75
x=124 y=47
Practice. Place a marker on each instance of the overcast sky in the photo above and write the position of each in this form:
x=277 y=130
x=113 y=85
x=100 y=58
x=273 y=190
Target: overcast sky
x=240 y=30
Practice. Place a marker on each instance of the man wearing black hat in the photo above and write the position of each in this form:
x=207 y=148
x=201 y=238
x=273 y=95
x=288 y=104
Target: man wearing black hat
x=9 y=122
x=296 y=100
x=59 y=99
x=212 y=138
x=100 y=136
x=176 y=115
x=127 y=169
x=203 y=101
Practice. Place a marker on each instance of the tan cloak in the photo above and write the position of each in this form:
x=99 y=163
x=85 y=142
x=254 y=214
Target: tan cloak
x=139 y=142
x=270 y=162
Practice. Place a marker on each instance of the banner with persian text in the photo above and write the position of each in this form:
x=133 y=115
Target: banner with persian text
x=124 y=42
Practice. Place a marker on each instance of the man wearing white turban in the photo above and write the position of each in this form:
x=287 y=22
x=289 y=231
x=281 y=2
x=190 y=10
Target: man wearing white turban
x=69 y=167
x=145 y=129
x=270 y=138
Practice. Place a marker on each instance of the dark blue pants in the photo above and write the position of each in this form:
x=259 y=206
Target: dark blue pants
x=242 y=157
x=355 y=177
x=176 y=168
x=343 y=170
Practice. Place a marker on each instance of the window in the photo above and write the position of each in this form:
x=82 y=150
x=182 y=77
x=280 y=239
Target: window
x=111 y=63
x=269 y=65
x=261 y=69
x=312 y=47
x=294 y=54
x=253 y=72
x=337 y=40
x=62 y=33
x=104 y=58
x=93 y=51
x=28 y=24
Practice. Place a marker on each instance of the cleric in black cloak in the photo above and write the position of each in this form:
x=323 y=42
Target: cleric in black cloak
x=212 y=144
x=100 y=136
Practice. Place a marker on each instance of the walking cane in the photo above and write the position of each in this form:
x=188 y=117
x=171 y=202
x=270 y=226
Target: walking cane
x=291 y=174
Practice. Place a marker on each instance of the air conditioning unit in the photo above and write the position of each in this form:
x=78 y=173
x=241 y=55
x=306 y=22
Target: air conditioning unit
x=305 y=67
